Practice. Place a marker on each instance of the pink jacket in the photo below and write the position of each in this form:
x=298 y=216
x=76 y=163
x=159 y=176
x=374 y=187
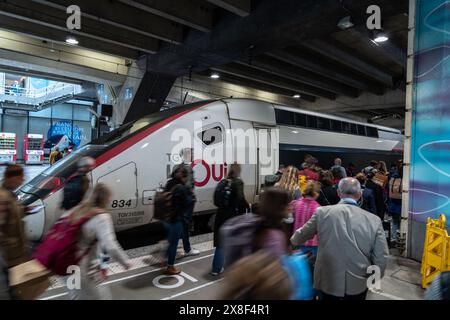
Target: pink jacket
x=303 y=210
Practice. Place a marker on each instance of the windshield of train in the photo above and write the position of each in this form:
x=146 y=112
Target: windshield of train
x=55 y=176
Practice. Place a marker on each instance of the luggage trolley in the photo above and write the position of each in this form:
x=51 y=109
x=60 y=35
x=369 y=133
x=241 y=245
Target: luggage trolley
x=34 y=149
x=8 y=145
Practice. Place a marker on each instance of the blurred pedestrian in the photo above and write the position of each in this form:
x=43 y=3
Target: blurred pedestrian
x=230 y=200
x=378 y=192
x=66 y=152
x=78 y=184
x=367 y=201
x=328 y=192
x=290 y=182
x=310 y=169
x=303 y=211
x=181 y=202
x=350 y=170
x=259 y=276
x=395 y=200
x=97 y=237
x=55 y=156
x=186 y=155
x=338 y=168
x=439 y=288
x=13 y=240
x=350 y=241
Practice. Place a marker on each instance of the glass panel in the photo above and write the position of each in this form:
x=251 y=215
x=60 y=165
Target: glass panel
x=361 y=130
x=353 y=128
x=336 y=126
x=284 y=117
x=300 y=120
x=323 y=123
x=312 y=122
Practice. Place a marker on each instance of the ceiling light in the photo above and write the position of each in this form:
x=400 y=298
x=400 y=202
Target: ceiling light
x=215 y=76
x=380 y=37
x=296 y=96
x=345 y=23
x=72 y=40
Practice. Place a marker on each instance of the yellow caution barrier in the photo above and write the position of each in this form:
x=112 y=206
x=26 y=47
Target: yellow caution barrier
x=435 y=251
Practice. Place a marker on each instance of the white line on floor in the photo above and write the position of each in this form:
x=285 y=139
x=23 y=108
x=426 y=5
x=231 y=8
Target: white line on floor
x=133 y=276
x=191 y=290
x=387 y=295
x=192 y=279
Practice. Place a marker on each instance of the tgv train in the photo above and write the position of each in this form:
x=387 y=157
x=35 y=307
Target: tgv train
x=136 y=159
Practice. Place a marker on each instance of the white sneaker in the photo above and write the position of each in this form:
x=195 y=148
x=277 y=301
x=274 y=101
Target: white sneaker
x=215 y=274
x=193 y=252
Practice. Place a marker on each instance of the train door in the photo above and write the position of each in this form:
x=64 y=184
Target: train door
x=123 y=184
x=210 y=136
x=244 y=150
x=267 y=154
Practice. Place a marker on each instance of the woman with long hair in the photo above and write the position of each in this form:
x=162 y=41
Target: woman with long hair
x=97 y=238
x=328 y=193
x=274 y=207
x=290 y=182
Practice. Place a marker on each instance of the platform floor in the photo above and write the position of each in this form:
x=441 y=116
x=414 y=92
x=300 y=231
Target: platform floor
x=145 y=281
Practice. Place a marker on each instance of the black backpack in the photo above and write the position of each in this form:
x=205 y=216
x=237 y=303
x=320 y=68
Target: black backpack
x=164 y=209
x=222 y=194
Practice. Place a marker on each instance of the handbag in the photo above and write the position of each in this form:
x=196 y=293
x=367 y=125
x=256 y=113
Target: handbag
x=29 y=280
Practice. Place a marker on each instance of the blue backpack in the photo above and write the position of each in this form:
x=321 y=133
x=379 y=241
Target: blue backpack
x=299 y=271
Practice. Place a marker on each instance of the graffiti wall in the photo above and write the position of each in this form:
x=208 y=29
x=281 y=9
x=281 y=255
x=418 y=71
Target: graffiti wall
x=430 y=149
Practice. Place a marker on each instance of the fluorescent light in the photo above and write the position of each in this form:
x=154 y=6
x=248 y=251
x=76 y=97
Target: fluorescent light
x=379 y=141
x=296 y=96
x=215 y=76
x=72 y=40
x=381 y=37
x=294 y=131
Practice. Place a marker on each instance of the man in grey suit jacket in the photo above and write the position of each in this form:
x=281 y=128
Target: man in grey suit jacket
x=350 y=240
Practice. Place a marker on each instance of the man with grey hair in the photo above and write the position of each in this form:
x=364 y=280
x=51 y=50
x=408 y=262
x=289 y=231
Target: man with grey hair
x=339 y=168
x=350 y=241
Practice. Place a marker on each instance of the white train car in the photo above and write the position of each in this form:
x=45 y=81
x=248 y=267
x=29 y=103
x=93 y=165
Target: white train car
x=135 y=160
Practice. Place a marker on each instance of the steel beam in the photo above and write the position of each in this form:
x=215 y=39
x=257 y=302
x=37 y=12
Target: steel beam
x=192 y=13
x=271 y=79
x=288 y=71
x=240 y=7
x=333 y=51
x=314 y=64
x=119 y=15
x=22 y=14
x=58 y=36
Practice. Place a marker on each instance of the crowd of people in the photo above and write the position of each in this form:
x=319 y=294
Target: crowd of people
x=313 y=233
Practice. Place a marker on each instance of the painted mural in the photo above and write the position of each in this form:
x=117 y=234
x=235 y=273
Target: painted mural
x=430 y=150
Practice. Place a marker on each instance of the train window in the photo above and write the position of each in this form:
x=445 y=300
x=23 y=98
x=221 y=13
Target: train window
x=372 y=132
x=300 y=120
x=284 y=117
x=361 y=130
x=353 y=128
x=346 y=127
x=211 y=136
x=323 y=123
x=336 y=126
x=311 y=122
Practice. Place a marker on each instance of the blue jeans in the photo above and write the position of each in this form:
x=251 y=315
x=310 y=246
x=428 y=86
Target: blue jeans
x=185 y=237
x=218 y=260
x=174 y=233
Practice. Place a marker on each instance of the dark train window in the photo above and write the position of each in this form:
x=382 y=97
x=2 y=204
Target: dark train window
x=211 y=136
x=284 y=117
x=361 y=130
x=323 y=123
x=311 y=122
x=336 y=126
x=346 y=127
x=300 y=120
x=372 y=132
x=353 y=128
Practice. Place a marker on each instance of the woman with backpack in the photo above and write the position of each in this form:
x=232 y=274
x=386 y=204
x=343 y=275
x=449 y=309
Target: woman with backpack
x=97 y=237
x=234 y=205
x=328 y=192
x=181 y=202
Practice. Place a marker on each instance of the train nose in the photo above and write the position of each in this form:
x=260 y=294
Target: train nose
x=35 y=220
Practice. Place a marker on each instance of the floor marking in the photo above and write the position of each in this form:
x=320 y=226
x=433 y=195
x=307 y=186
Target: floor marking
x=134 y=276
x=192 y=279
x=387 y=295
x=191 y=290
